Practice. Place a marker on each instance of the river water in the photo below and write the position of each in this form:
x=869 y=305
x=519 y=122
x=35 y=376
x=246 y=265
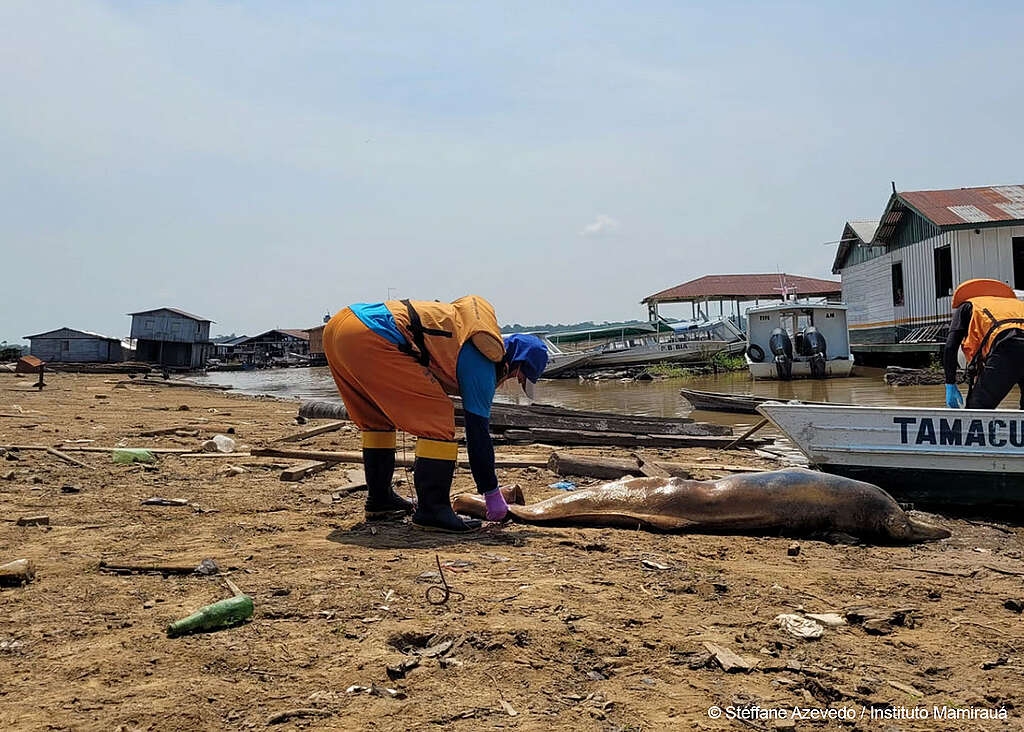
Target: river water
x=652 y=398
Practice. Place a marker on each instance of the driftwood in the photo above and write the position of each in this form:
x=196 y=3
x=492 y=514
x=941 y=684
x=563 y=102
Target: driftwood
x=68 y=458
x=354 y=456
x=304 y=469
x=147 y=568
x=311 y=432
x=17 y=572
x=225 y=429
x=619 y=439
x=746 y=435
x=506 y=417
x=162 y=382
x=592 y=466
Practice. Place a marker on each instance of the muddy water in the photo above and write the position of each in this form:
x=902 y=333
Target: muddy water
x=654 y=398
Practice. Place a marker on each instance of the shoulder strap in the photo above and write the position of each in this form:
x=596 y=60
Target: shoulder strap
x=991 y=329
x=418 y=331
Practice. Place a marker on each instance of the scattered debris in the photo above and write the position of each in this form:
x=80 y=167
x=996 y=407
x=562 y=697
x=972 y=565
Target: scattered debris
x=375 y=690
x=650 y=564
x=70 y=489
x=39 y=520
x=158 y=501
x=905 y=688
x=125 y=455
x=563 y=485
x=288 y=714
x=231 y=470
x=728 y=660
x=509 y=709
x=18 y=572
x=799 y=626
x=7 y=475
x=793 y=550
x=831 y=620
x=1014 y=605
x=400 y=669
x=223 y=614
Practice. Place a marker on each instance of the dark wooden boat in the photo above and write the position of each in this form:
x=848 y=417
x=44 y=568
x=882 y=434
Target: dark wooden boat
x=711 y=401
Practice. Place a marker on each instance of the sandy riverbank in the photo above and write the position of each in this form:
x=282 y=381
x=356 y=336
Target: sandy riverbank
x=559 y=628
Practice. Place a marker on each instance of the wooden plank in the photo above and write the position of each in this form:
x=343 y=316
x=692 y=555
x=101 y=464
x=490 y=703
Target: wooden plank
x=311 y=432
x=619 y=439
x=304 y=469
x=746 y=434
x=68 y=458
x=226 y=429
x=354 y=456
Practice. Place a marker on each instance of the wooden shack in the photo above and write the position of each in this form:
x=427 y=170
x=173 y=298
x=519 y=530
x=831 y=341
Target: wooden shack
x=279 y=345
x=898 y=279
x=316 y=343
x=68 y=345
x=171 y=338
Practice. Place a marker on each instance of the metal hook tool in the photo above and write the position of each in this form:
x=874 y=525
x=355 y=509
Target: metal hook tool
x=445 y=591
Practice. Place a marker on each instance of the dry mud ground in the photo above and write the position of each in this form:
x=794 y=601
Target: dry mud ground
x=557 y=629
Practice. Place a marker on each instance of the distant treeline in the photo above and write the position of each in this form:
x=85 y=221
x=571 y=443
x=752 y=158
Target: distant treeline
x=565 y=327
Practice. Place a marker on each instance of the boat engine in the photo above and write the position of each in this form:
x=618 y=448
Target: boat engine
x=782 y=349
x=814 y=349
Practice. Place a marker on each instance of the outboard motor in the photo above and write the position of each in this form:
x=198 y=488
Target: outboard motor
x=782 y=349
x=814 y=345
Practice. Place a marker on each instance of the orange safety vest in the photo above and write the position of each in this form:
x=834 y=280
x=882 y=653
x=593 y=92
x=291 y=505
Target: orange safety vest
x=436 y=331
x=990 y=317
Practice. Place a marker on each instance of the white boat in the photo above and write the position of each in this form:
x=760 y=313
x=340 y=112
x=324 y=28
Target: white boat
x=798 y=340
x=698 y=343
x=936 y=456
x=560 y=361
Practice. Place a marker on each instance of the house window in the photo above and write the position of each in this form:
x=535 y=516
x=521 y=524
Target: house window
x=65 y=346
x=1018 y=262
x=897 y=284
x=943 y=272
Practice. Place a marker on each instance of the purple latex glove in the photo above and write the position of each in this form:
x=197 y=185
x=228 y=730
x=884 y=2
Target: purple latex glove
x=497 y=509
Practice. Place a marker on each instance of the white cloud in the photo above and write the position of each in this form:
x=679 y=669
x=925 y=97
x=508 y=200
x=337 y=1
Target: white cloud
x=603 y=224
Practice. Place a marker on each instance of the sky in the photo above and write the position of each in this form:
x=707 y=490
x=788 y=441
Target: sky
x=264 y=163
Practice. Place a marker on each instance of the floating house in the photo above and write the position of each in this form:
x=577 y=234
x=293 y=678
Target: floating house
x=68 y=345
x=898 y=280
x=316 y=344
x=224 y=346
x=172 y=338
x=278 y=344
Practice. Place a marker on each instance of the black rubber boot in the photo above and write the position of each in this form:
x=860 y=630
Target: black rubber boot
x=381 y=501
x=434 y=506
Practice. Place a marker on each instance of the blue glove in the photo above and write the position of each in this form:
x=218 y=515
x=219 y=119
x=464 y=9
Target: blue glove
x=953 y=398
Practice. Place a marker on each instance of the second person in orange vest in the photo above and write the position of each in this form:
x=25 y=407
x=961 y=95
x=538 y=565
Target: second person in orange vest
x=988 y=324
x=395 y=364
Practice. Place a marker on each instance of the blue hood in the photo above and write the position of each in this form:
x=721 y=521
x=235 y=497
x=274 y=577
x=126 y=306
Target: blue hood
x=528 y=352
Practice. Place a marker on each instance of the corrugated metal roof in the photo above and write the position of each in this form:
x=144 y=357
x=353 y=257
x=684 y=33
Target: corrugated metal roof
x=82 y=334
x=964 y=206
x=176 y=311
x=287 y=331
x=745 y=287
x=855 y=233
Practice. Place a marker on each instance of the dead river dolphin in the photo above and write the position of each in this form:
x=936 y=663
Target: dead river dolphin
x=795 y=501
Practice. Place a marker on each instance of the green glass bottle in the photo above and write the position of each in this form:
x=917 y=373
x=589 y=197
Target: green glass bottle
x=218 y=615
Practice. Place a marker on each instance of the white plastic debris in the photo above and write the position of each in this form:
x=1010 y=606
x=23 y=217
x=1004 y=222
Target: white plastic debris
x=224 y=443
x=800 y=627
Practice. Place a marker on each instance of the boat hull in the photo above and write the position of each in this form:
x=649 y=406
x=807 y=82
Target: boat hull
x=560 y=362
x=935 y=456
x=837 y=368
x=685 y=352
